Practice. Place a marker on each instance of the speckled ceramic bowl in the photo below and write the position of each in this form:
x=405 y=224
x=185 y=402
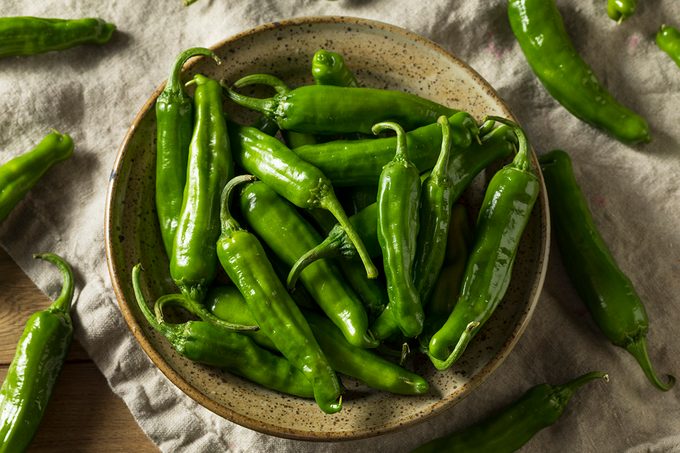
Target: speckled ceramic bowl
x=382 y=56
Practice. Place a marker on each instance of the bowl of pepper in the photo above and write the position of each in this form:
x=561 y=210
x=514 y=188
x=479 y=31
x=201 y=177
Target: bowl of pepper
x=399 y=72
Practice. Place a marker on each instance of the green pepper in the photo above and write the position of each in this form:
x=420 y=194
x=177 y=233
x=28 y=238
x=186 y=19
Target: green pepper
x=505 y=211
x=668 y=40
x=36 y=366
x=20 y=174
x=620 y=10
x=508 y=430
x=288 y=235
x=193 y=263
x=328 y=109
x=541 y=34
x=398 y=202
x=209 y=344
x=328 y=68
x=604 y=288
x=371 y=369
x=462 y=168
x=294 y=179
x=174 y=127
x=246 y=264
x=359 y=162
x=32 y=35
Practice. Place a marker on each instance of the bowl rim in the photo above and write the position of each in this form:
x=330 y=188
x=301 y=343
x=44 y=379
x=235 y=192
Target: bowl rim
x=275 y=430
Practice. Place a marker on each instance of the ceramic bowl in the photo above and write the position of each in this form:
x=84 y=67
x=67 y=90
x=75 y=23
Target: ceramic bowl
x=382 y=56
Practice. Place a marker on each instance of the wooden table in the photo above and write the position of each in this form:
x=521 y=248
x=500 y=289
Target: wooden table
x=84 y=415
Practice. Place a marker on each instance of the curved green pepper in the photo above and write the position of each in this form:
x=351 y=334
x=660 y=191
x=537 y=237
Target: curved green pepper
x=398 y=202
x=36 y=366
x=505 y=212
x=209 y=344
x=193 y=263
x=329 y=68
x=328 y=109
x=668 y=40
x=508 y=430
x=297 y=181
x=32 y=35
x=246 y=264
x=540 y=31
x=620 y=10
x=606 y=290
x=289 y=235
x=174 y=127
x=20 y=174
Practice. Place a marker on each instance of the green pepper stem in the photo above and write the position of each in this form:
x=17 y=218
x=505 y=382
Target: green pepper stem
x=169 y=331
x=63 y=301
x=266 y=106
x=521 y=160
x=330 y=202
x=402 y=150
x=263 y=79
x=227 y=221
x=196 y=309
x=439 y=173
x=319 y=252
x=174 y=81
x=638 y=349
x=463 y=341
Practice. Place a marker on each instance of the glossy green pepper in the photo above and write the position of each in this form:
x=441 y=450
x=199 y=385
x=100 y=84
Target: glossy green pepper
x=328 y=109
x=33 y=35
x=174 y=127
x=508 y=430
x=36 y=366
x=620 y=10
x=20 y=174
x=329 y=68
x=668 y=40
x=193 y=264
x=540 y=31
x=288 y=235
x=359 y=162
x=246 y=264
x=398 y=203
x=297 y=181
x=209 y=344
x=604 y=288
x=505 y=212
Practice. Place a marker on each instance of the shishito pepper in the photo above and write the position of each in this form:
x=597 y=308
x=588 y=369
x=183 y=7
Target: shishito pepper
x=329 y=68
x=620 y=10
x=174 y=127
x=36 y=366
x=32 y=35
x=505 y=212
x=604 y=288
x=508 y=430
x=20 y=174
x=245 y=262
x=668 y=40
x=193 y=263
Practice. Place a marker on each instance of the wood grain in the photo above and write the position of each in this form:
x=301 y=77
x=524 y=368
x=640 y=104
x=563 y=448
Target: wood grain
x=84 y=415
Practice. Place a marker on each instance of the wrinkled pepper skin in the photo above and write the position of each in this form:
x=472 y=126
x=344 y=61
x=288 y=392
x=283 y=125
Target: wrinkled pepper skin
x=289 y=235
x=329 y=68
x=33 y=35
x=508 y=430
x=505 y=212
x=245 y=262
x=600 y=283
x=193 y=264
x=328 y=109
x=174 y=128
x=540 y=31
x=620 y=10
x=668 y=40
x=20 y=174
x=36 y=366
x=209 y=344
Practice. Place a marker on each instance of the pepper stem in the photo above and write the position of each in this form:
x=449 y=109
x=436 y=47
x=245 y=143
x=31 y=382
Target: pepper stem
x=196 y=309
x=563 y=393
x=167 y=330
x=440 y=171
x=174 y=81
x=319 y=252
x=402 y=150
x=63 y=301
x=638 y=349
x=463 y=341
x=267 y=105
x=521 y=160
x=330 y=202
x=227 y=221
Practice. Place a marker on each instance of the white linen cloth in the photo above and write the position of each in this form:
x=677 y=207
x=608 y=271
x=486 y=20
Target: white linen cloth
x=93 y=93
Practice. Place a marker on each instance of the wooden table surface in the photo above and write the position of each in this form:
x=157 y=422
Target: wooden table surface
x=84 y=415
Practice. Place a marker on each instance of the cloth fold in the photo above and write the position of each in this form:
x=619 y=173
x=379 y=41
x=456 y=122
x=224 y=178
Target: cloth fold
x=93 y=93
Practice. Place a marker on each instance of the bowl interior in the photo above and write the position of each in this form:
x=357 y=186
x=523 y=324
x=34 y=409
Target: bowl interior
x=382 y=56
